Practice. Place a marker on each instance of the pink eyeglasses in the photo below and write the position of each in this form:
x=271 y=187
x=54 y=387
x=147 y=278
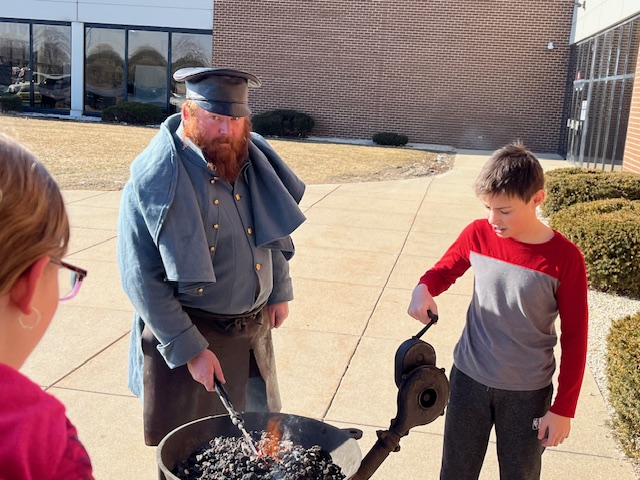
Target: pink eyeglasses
x=69 y=279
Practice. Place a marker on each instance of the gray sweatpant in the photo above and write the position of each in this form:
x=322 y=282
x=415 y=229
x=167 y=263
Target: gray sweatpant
x=473 y=410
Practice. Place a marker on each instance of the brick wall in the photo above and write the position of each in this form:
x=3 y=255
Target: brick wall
x=471 y=74
x=631 y=161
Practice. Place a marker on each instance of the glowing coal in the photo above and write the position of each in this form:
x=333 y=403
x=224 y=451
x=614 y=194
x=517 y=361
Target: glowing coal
x=229 y=458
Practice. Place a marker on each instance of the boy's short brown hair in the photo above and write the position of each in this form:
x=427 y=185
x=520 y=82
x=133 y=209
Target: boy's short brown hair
x=513 y=171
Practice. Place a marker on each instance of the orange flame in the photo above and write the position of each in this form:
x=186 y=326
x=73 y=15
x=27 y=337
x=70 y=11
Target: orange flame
x=270 y=443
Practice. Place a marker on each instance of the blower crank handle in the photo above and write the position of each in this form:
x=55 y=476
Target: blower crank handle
x=434 y=320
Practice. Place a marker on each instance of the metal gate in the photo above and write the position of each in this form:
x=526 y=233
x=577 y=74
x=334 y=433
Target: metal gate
x=598 y=112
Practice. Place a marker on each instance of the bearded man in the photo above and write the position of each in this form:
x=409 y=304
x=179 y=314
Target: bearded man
x=203 y=249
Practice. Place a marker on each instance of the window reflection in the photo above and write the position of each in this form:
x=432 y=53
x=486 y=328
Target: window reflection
x=52 y=65
x=104 y=68
x=121 y=65
x=146 y=69
x=15 y=74
x=187 y=50
x=148 y=59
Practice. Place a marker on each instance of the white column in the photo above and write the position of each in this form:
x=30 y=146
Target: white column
x=77 y=69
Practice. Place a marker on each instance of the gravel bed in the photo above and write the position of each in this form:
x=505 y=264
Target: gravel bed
x=603 y=310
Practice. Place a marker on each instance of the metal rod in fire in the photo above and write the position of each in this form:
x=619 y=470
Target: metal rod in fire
x=236 y=418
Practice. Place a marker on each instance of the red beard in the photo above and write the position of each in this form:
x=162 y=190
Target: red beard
x=225 y=156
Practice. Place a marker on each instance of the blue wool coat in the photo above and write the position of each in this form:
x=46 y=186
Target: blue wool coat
x=186 y=237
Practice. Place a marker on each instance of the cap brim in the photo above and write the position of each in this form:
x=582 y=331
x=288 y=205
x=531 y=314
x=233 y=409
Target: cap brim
x=225 y=108
x=193 y=73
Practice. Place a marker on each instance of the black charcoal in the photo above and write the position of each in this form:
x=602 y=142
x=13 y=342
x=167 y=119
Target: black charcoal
x=227 y=458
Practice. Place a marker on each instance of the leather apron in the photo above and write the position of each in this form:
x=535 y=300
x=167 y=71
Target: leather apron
x=171 y=396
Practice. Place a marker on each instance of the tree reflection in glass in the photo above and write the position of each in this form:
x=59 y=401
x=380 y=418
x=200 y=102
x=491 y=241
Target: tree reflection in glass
x=104 y=68
x=187 y=50
x=147 y=77
x=15 y=72
x=52 y=62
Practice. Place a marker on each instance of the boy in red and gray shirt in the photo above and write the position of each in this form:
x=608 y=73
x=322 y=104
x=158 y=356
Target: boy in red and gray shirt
x=525 y=275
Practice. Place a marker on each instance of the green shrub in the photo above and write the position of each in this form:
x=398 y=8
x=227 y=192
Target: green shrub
x=608 y=233
x=574 y=185
x=283 y=123
x=10 y=103
x=568 y=171
x=390 y=138
x=623 y=374
x=133 y=113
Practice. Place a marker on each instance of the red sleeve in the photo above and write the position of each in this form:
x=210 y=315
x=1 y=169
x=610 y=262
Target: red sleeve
x=574 y=319
x=453 y=264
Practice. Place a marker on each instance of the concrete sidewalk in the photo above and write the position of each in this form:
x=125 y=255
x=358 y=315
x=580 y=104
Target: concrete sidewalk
x=359 y=255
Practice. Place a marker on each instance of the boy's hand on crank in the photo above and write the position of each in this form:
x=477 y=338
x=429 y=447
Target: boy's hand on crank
x=421 y=303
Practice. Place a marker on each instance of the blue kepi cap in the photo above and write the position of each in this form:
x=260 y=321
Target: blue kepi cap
x=224 y=91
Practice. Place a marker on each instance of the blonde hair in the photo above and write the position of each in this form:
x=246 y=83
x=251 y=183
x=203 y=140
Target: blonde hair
x=33 y=218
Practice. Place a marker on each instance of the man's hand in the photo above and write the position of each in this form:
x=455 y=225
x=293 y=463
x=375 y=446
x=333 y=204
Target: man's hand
x=421 y=303
x=203 y=367
x=558 y=428
x=277 y=313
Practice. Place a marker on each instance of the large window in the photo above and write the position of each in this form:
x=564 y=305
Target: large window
x=147 y=80
x=35 y=63
x=129 y=64
x=15 y=72
x=52 y=65
x=121 y=64
x=104 y=68
x=187 y=50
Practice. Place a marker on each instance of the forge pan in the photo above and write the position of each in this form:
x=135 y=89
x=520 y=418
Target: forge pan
x=180 y=443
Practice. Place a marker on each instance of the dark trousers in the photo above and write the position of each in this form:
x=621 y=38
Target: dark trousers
x=171 y=396
x=473 y=410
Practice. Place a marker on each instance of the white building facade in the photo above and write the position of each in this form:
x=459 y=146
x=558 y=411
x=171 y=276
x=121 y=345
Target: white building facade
x=77 y=57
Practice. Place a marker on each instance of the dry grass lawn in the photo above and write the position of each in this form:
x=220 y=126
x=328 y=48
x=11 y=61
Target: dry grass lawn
x=94 y=155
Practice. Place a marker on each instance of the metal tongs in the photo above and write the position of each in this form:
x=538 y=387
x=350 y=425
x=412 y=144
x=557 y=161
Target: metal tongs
x=236 y=418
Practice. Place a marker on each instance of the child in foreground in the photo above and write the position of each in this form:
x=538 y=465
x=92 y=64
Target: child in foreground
x=37 y=441
x=525 y=275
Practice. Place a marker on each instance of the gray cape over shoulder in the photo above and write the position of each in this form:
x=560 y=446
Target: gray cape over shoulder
x=159 y=183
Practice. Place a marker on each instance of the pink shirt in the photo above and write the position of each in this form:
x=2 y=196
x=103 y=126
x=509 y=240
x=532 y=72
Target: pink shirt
x=37 y=440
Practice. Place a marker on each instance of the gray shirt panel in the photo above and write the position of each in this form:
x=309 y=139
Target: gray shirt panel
x=509 y=335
